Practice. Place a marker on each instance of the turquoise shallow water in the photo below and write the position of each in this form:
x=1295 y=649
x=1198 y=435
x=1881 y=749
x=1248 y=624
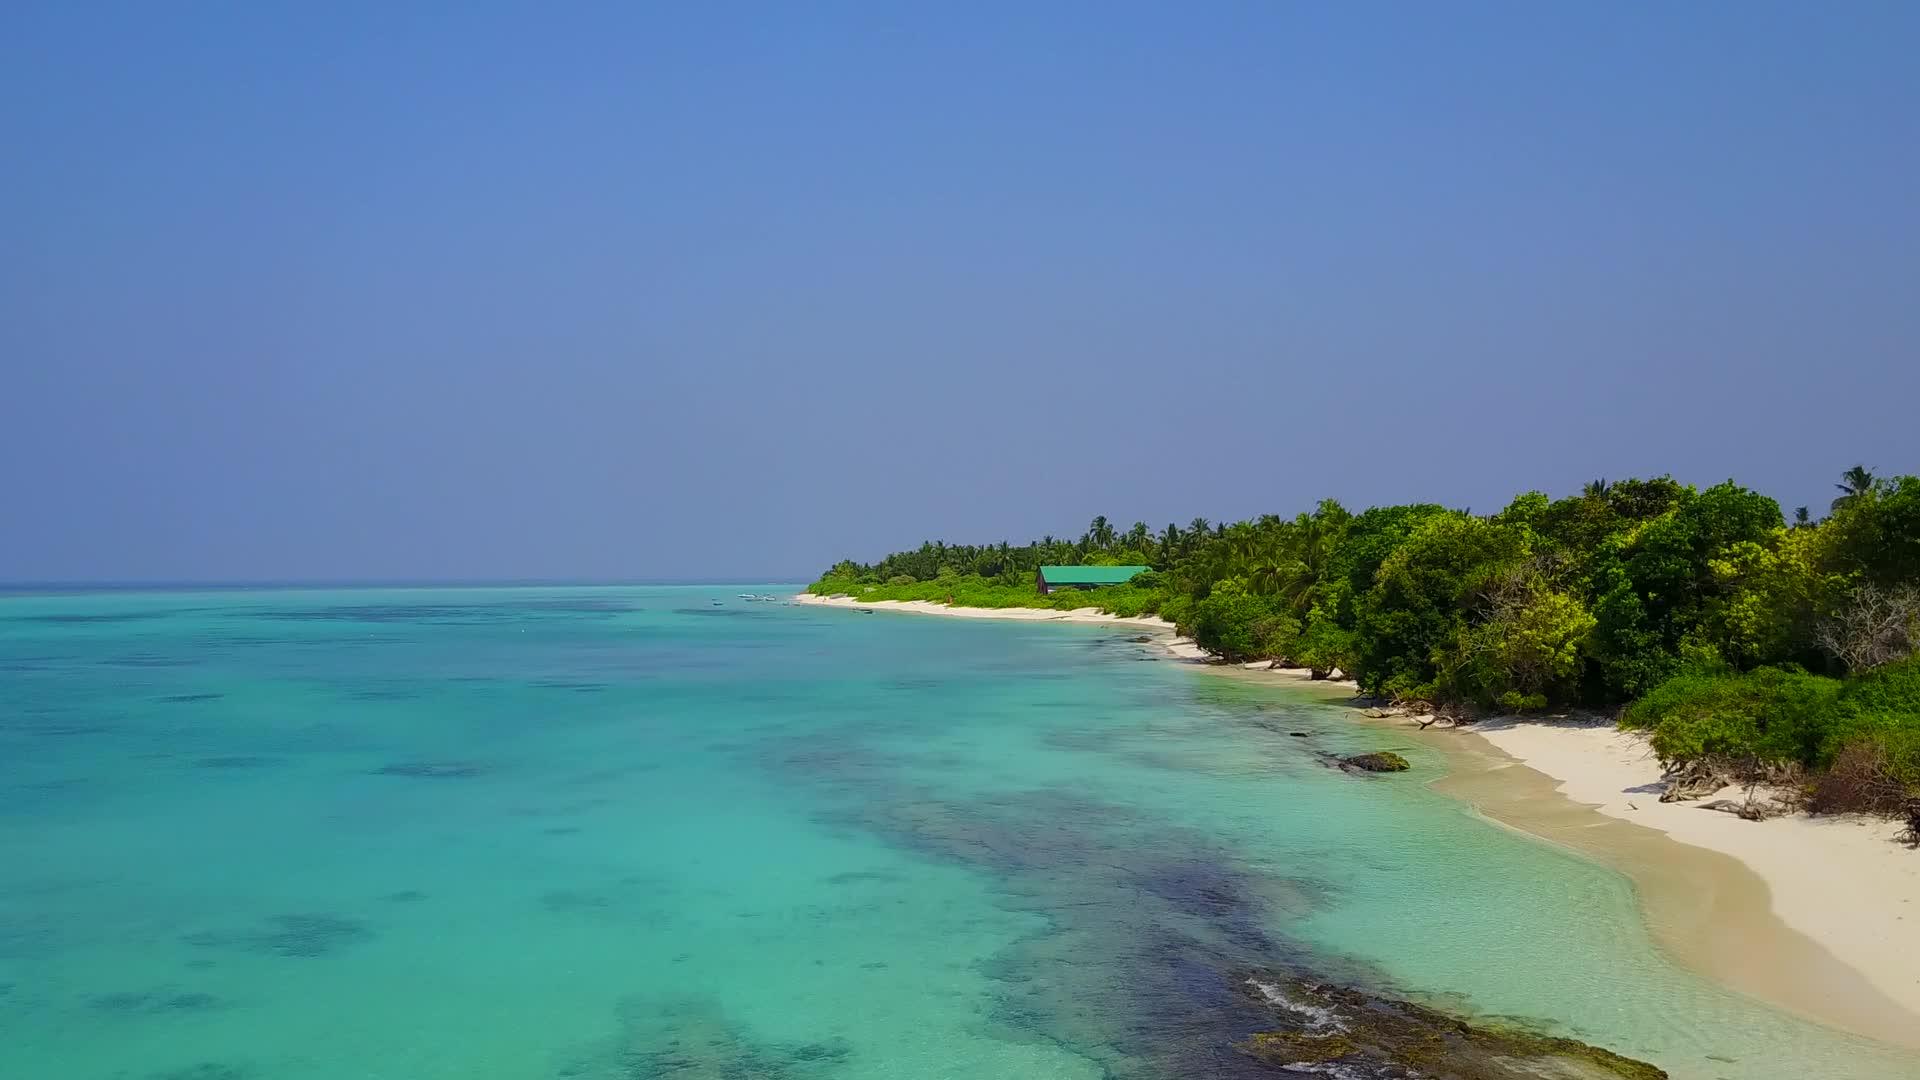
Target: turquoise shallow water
x=604 y=833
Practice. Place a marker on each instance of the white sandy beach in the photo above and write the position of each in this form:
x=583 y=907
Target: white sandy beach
x=1844 y=882
x=928 y=607
x=1164 y=633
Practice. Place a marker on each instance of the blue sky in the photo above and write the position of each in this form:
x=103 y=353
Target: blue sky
x=625 y=291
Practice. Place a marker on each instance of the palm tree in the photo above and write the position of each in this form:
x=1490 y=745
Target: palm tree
x=1197 y=530
x=1854 y=483
x=1313 y=541
x=1166 y=547
x=1258 y=554
x=1100 y=533
x=1800 y=517
x=1596 y=488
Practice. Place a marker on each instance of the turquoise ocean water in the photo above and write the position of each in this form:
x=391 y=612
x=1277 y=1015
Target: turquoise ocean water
x=598 y=833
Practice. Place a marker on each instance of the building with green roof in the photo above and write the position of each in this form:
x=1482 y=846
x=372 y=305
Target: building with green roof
x=1054 y=578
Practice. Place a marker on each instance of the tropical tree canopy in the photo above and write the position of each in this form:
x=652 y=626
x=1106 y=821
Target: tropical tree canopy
x=1727 y=630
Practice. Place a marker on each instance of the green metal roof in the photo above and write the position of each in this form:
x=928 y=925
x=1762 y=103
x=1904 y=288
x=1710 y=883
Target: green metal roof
x=1091 y=575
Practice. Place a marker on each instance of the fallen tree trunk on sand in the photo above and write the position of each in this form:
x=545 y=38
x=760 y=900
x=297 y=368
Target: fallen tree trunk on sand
x=1694 y=780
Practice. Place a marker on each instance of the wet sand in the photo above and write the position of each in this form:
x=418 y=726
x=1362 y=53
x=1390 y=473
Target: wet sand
x=1710 y=911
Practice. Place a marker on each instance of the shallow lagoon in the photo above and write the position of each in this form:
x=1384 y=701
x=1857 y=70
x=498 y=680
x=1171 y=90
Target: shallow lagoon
x=624 y=832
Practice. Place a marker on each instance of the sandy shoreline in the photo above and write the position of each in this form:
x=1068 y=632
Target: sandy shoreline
x=928 y=607
x=1819 y=916
x=1165 y=635
x=1843 y=885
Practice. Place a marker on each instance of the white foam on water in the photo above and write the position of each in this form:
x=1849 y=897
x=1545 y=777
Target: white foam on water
x=1318 y=1017
x=1333 y=1069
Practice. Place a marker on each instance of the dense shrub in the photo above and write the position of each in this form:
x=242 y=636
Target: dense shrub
x=1323 y=647
x=1151 y=581
x=1866 y=778
x=1239 y=624
x=1888 y=693
x=1176 y=609
x=1767 y=716
x=1881 y=709
x=1129 y=600
x=1861 y=736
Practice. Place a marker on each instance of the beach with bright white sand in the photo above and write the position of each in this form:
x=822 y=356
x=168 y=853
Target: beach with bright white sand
x=1818 y=915
x=929 y=607
x=1844 y=882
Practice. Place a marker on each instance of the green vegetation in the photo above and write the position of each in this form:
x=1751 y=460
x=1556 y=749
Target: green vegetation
x=971 y=590
x=1766 y=715
x=1860 y=737
x=1734 y=636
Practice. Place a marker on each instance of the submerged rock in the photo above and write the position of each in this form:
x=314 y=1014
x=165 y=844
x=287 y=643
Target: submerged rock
x=694 y=1039
x=1318 y=1026
x=290 y=935
x=1378 y=761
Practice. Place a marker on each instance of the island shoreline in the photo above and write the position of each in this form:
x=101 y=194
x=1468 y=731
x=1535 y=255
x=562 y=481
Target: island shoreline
x=1017 y=614
x=1710 y=893
x=1165 y=635
x=1817 y=915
